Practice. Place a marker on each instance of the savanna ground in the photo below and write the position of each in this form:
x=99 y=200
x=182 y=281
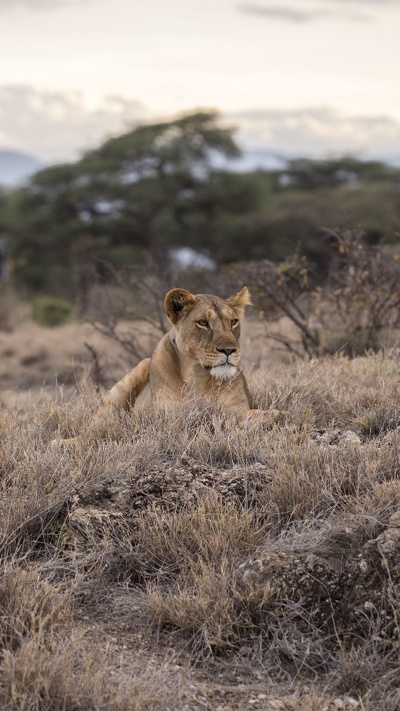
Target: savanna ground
x=182 y=562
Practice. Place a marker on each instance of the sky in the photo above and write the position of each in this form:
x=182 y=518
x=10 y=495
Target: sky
x=295 y=77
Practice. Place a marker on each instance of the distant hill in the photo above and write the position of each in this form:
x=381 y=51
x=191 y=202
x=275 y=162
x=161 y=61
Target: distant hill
x=16 y=167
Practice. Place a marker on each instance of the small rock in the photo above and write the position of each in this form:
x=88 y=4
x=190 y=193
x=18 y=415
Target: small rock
x=394 y=520
x=350 y=437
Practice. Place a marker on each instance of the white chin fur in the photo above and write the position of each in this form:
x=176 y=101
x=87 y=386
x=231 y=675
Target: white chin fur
x=224 y=372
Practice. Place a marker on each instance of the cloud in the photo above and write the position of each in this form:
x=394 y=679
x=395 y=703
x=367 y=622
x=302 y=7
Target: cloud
x=368 y=2
x=318 y=132
x=39 y=4
x=280 y=13
x=290 y=13
x=56 y=126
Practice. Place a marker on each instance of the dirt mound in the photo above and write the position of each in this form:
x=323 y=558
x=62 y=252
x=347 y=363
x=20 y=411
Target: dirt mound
x=164 y=487
x=343 y=582
x=344 y=587
x=183 y=484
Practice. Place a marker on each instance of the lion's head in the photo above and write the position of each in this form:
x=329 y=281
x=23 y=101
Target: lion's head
x=207 y=328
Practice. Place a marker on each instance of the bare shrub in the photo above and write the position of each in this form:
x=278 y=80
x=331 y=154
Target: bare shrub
x=364 y=297
x=132 y=312
x=286 y=287
x=358 y=304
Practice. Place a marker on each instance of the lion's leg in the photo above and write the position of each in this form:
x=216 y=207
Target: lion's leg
x=121 y=396
x=124 y=393
x=235 y=398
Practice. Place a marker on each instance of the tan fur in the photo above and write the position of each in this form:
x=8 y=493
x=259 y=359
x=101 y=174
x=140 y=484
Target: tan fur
x=199 y=356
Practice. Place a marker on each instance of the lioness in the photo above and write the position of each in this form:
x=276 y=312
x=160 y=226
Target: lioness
x=199 y=356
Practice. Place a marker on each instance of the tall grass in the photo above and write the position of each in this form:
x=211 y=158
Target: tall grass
x=184 y=562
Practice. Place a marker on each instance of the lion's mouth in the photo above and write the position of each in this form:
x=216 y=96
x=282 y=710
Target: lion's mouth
x=226 y=364
x=223 y=371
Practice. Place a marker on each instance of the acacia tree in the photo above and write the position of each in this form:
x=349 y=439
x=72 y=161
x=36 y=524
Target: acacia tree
x=126 y=200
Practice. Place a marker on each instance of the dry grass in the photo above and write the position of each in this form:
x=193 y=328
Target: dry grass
x=184 y=563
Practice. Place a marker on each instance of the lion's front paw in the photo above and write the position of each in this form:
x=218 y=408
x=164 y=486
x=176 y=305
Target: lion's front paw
x=61 y=443
x=266 y=418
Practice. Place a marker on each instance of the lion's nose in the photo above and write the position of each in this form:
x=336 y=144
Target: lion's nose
x=227 y=351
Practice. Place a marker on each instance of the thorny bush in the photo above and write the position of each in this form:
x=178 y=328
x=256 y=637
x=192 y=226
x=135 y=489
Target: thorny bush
x=351 y=311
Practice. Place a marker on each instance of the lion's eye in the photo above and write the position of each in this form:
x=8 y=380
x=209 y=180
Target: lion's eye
x=234 y=322
x=202 y=323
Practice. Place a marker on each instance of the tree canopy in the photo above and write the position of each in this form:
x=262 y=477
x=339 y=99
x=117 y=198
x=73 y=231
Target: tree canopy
x=128 y=198
x=158 y=187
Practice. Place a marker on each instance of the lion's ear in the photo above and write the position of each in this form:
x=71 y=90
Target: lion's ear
x=177 y=303
x=240 y=300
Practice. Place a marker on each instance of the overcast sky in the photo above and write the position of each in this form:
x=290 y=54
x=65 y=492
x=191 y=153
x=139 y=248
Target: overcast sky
x=316 y=77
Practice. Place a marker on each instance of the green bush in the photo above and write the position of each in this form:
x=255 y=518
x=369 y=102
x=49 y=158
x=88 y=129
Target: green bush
x=50 y=311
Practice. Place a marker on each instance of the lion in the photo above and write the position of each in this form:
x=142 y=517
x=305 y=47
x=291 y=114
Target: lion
x=199 y=356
